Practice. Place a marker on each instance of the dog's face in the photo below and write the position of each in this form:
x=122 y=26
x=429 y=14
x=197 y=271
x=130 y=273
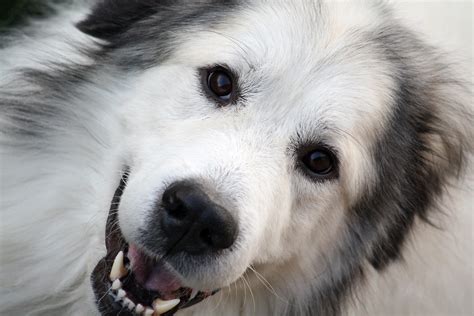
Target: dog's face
x=265 y=137
x=283 y=150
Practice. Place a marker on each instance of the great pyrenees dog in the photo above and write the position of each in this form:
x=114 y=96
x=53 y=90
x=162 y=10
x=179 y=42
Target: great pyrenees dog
x=232 y=157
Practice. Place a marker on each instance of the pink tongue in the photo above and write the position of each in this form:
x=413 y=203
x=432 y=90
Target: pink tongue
x=152 y=275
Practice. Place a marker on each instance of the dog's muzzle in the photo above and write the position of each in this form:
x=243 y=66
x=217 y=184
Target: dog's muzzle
x=134 y=280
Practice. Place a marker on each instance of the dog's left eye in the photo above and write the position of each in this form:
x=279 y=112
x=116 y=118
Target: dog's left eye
x=320 y=162
x=220 y=84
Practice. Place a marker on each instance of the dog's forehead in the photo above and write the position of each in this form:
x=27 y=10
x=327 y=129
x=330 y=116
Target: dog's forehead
x=290 y=32
x=307 y=59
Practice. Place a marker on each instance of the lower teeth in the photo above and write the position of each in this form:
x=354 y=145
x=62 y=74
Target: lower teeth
x=139 y=309
x=159 y=306
x=118 y=271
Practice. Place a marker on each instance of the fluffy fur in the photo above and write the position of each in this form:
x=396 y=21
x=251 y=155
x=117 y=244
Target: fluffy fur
x=390 y=235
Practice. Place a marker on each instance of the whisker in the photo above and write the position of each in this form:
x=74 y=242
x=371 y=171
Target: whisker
x=251 y=292
x=241 y=279
x=219 y=301
x=267 y=284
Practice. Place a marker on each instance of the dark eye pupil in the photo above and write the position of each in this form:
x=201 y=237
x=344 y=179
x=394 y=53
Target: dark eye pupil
x=220 y=84
x=319 y=162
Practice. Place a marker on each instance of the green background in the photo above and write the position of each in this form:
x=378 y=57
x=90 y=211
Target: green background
x=13 y=12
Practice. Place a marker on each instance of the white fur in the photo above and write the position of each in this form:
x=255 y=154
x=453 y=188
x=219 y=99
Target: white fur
x=54 y=201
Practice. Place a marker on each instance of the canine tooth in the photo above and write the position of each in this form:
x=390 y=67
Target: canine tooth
x=161 y=306
x=194 y=292
x=148 y=312
x=139 y=309
x=121 y=294
x=116 y=285
x=128 y=302
x=118 y=269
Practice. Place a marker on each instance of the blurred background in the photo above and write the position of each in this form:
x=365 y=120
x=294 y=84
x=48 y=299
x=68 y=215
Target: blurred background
x=445 y=23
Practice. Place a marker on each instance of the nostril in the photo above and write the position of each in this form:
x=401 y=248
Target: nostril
x=178 y=212
x=220 y=237
x=173 y=204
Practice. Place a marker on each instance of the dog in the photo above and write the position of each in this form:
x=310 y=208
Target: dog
x=223 y=157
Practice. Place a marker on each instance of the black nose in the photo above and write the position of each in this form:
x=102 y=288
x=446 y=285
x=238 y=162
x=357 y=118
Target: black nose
x=193 y=223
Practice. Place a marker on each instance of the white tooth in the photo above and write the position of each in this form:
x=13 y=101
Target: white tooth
x=118 y=269
x=116 y=285
x=128 y=302
x=161 y=306
x=139 y=309
x=148 y=312
x=194 y=292
x=121 y=294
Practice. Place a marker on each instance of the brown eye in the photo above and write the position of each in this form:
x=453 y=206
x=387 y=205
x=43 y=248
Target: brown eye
x=320 y=162
x=220 y=84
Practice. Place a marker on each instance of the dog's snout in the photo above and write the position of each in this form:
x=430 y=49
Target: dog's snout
x=193 y=223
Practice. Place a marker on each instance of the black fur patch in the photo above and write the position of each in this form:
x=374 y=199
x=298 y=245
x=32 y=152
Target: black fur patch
x=408 y=184
x=34 y=102
x=141 y=32
x=110 y=18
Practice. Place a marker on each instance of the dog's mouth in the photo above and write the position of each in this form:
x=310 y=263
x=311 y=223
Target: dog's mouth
x=127 y=281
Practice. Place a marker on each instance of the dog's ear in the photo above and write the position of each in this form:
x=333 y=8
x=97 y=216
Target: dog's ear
x=112 y=17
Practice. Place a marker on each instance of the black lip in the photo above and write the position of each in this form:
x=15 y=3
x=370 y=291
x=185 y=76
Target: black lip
x=114 y=243
x=101 y=284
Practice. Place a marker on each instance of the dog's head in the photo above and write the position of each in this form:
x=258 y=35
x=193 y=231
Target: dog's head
x=297 y=138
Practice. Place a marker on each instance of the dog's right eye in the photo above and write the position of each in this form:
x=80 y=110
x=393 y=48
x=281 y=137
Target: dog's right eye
x=320 y=163
x=219 y=83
